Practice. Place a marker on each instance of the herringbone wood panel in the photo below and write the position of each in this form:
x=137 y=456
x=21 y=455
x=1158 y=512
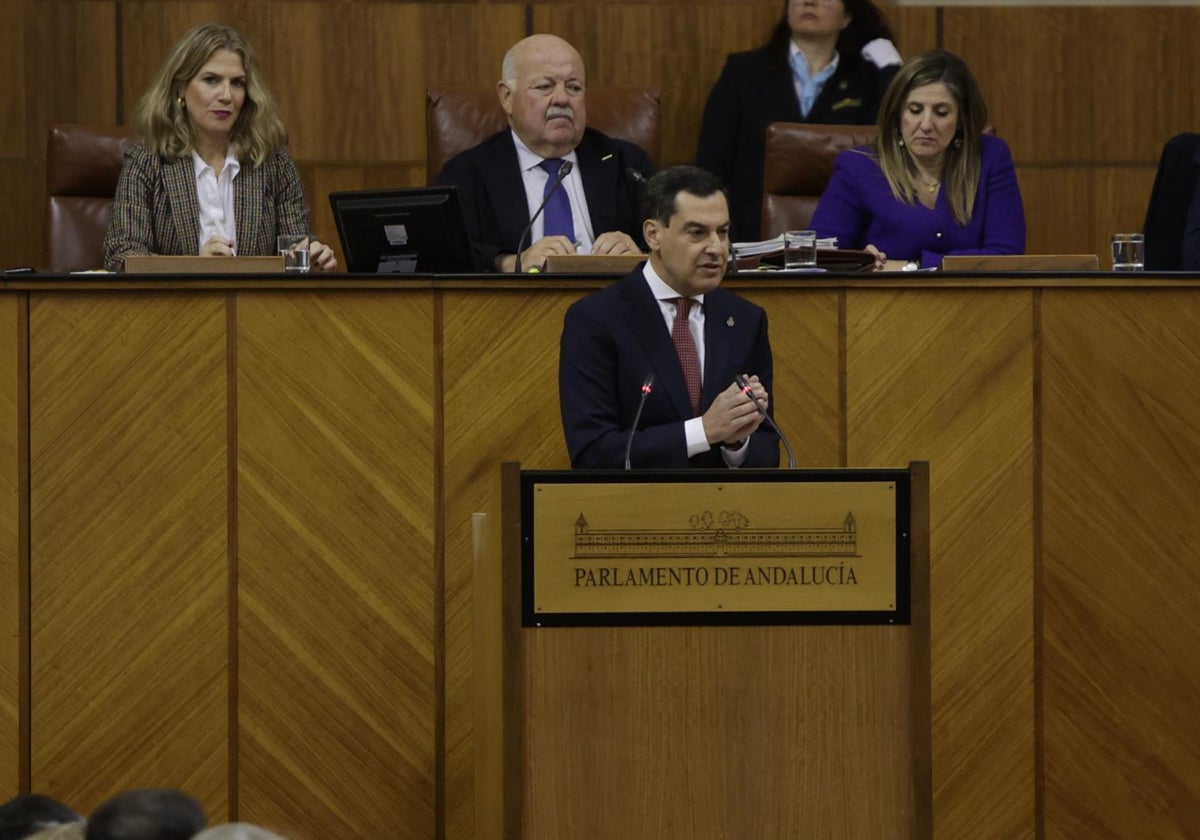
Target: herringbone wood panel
x=500 y=373
x=1122 y=564
x=12 y=437
x=947 y=377
x=337 y=569
x=129 y=548
x=803 y=327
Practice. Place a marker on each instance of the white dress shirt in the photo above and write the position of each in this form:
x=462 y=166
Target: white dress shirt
x=536 y=178
x=697 y=440
x=215 y=193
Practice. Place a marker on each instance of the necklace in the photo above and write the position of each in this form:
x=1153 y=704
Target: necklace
x=933 y=187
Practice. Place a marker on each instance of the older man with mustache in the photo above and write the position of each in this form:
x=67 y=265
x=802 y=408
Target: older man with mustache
x=594 y=208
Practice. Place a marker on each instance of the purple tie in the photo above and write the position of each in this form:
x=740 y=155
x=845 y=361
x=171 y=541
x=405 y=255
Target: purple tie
x=557 y=215
x=685 y=346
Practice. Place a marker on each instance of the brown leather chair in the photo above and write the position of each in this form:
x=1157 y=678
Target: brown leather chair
x=797 y=167
x=82 y=166
x=457 y=119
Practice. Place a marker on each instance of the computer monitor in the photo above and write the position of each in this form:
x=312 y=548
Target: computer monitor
x=402 y=231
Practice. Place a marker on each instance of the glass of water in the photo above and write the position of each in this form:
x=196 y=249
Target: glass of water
x=800 y=249
x=1128 y=252
x=294 y=248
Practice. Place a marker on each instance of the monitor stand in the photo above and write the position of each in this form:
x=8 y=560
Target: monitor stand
x=405 y=263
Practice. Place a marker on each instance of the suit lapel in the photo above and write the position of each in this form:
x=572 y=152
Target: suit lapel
x=717 y=376
x=179 y=180
x=782 y=90
x=597 y=168
x=501 y=173
x=247 y=187
x=647 y=325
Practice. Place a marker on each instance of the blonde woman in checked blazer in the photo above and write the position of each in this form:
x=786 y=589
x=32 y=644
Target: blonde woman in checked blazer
x=213 y=175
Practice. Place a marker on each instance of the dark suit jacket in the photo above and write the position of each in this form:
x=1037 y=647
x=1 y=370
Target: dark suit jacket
x=1172 y=227
x=156 y=209
x=613 y=338
x=752 y=92
x=488 y=178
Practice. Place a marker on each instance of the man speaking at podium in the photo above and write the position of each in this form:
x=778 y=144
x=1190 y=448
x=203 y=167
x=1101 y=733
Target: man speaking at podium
x=668 y=336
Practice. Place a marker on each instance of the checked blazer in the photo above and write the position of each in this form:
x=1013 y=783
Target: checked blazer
x=156 y=210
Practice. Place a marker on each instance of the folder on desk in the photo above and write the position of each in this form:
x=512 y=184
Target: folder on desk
x=1021 y=262
x=592 y=263
x=160 y=264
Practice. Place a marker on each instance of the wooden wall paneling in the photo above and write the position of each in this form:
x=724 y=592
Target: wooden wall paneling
x=12 y=653
x=947 y=377
x=1060 y=211
x=1122 y=196
x=337 y=608
x=1121 y=462
x=129 y=546
x=718 y=732
x=1040 y=103
x=467 y=45
x=22 y=214
x=806 y=396
x=61 y=70
x=915 y=27
x=498 y=408
x=1146 y=92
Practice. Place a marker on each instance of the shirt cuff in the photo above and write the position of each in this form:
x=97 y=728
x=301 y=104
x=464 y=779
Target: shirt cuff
x=736 y=457
x=697 y=441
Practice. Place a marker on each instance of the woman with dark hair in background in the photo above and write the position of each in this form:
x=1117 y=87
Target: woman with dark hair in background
x=827 y=62
x=933 y=183
x=213 y=175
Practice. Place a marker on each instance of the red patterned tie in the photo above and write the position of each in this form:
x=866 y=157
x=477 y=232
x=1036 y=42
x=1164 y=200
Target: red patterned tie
x=685 y=346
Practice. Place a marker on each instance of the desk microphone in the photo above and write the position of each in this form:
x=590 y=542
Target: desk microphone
x=646 y=389
x=745 y=386
x=563 y=171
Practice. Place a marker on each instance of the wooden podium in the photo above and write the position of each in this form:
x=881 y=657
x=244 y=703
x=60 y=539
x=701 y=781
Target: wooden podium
x=677 y=711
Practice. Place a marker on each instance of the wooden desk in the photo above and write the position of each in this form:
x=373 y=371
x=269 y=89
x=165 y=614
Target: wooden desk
x=240 y=512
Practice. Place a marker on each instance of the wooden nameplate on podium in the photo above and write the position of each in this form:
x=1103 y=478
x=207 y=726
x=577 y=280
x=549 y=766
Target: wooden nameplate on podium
x=1021 y=262
x=591 y=263
x=160 y=264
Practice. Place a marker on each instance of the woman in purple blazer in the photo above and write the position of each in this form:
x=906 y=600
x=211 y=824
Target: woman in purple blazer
x=932 y=184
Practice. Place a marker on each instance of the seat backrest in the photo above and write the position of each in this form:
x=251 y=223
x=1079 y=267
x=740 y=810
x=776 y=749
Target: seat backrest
x=798 y=163
x=457 y=119
x=82 y=166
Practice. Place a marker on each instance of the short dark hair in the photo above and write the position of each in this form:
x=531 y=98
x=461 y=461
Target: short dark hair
x=147 y=814
x=661 y=190
x=31 y=812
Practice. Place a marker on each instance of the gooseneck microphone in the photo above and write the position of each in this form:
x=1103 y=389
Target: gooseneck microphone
x=746 y=389
x=563 y=171
x=646 y=389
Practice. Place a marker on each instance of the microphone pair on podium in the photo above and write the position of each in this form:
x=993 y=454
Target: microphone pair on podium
x=742 y=383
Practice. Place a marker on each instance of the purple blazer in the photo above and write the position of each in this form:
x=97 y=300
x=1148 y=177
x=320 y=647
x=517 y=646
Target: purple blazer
x=858 y=208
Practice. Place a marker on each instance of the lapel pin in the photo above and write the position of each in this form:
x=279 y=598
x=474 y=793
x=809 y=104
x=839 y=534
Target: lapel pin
x=729 y=323
x=606 y=157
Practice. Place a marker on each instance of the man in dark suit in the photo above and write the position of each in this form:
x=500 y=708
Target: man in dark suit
x=504 y=179
x=665 y=317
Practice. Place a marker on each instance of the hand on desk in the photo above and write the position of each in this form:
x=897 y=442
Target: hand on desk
x=217 y=246
x=614 y=242
x=535 y=255
x=321 y=257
